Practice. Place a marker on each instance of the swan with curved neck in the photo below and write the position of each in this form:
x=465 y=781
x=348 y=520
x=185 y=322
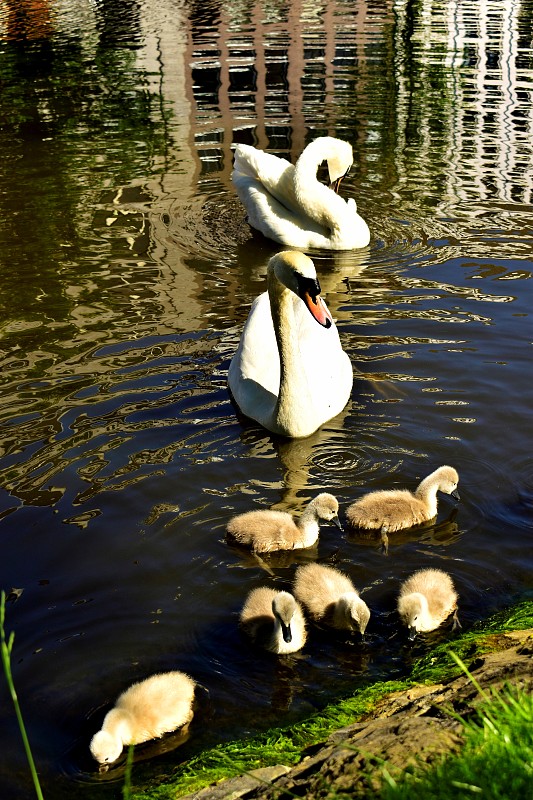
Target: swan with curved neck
x=289 y=205
x=290 y=372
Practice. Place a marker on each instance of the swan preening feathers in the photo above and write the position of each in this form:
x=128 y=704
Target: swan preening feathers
x=148 y=709
x=267 y=530
x=289 y=205
x=392 y=510
x=426 y=599
x=290 y=372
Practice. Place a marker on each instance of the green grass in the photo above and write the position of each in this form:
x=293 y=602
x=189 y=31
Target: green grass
x=439 y=665
x=495 y=762
x=6 y=646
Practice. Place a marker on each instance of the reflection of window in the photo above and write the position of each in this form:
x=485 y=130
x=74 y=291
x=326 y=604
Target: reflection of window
x=242 y=86
x=205 y=85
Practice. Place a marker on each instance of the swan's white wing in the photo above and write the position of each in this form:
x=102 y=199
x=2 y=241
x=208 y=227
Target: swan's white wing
x=257 y=356
x=274 y=220
x=274 y=174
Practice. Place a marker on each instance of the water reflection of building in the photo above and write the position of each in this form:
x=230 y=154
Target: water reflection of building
x=265 y=72
x=473 y=77
x=407 y=81
x=275 y=74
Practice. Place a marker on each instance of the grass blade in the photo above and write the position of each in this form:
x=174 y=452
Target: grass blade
x=6 y=647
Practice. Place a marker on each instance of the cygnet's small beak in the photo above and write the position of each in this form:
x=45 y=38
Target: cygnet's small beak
x=356 y=629
x=336 y=521
x=456 y=494
x=412 y=633
x=287 y=634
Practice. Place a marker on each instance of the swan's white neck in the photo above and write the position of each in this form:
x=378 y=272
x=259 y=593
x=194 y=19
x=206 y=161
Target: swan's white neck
x=319 y=202
x=294 y=395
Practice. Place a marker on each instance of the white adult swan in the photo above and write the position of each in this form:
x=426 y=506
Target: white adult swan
x=289 y=205
x=289 y=373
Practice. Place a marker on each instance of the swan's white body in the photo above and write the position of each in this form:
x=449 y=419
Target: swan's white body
x=289 y=373
x=289 y=205
x=146 y=710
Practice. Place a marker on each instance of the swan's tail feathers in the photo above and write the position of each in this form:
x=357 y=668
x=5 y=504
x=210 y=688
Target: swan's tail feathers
x=273 y=173
x=244 y=162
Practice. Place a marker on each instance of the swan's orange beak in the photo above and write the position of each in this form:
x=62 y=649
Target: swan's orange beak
x=318 y=309
x=336 y=185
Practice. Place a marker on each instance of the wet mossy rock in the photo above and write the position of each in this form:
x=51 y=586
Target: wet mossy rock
x=401 y=723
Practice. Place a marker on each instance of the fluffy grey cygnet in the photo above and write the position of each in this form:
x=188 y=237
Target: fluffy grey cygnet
x=267 y=530
x=148 y=709
x=426 y=599
x=330 y=597
x=273 y=620
x=392 y=510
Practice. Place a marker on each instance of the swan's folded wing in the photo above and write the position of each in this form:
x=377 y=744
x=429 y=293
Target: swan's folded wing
x=276 y=221
x=254 y=370
x=273 y=173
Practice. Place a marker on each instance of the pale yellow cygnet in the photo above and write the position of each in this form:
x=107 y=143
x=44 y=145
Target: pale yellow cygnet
x=330 y=597
x=269 y=529
x=426 y=599
x=148 y=709
x=273 y=620
x=392 y=510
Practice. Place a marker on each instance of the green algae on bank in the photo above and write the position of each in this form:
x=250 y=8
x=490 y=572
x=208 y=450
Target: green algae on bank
x=286 y=745
x=486 y=636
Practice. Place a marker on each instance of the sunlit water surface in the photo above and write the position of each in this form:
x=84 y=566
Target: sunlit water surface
x=127 y=270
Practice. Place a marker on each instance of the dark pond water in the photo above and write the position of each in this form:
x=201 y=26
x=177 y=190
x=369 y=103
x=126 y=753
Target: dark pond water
x=126 y=273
